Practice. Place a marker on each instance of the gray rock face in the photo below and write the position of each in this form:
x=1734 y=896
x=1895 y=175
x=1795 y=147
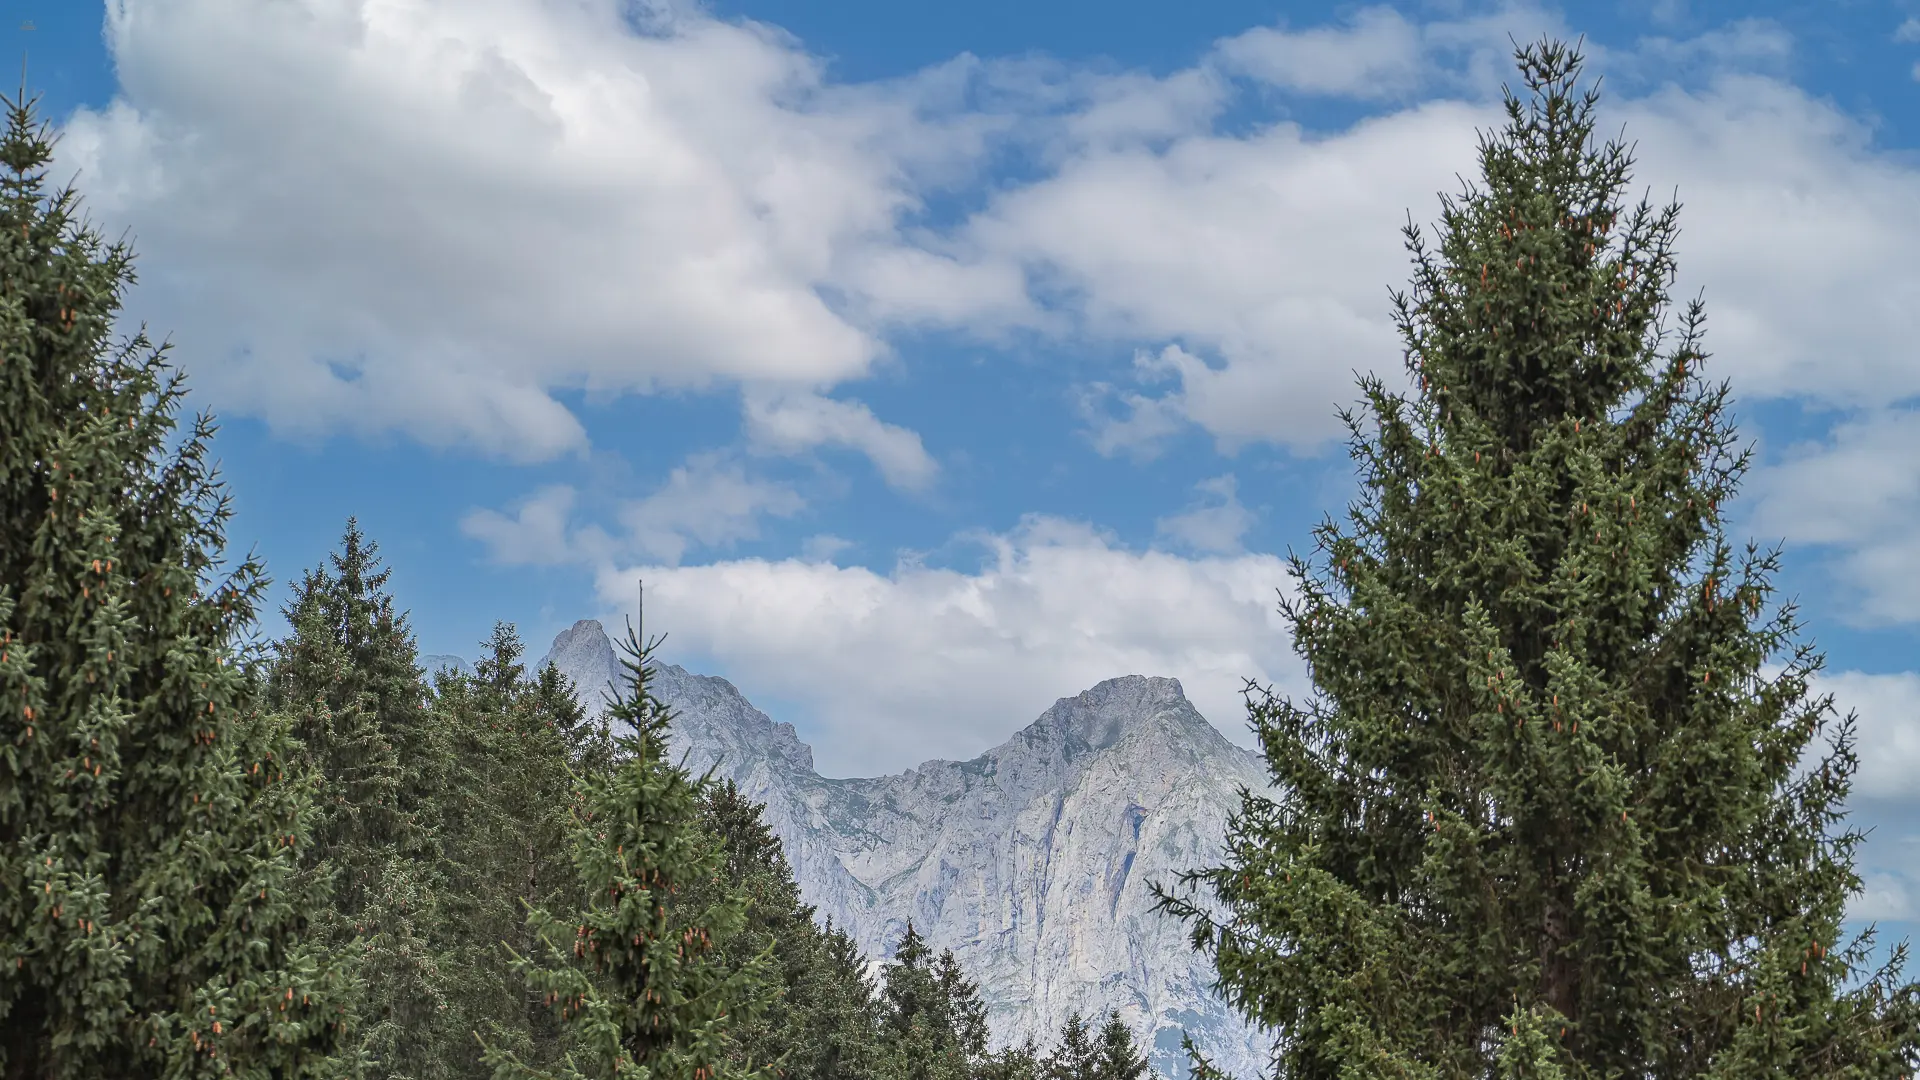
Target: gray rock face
x=1031 y=862
x=584 y=654
x=434 y=663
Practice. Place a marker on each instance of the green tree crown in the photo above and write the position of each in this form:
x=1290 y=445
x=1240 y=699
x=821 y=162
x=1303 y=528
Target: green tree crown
x=153 y=917
x=1545 y=814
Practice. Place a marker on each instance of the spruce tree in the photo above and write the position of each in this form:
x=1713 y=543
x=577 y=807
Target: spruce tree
x=1015 y=1061
x=822 y=1023
x=1118 y=1057
x=152 y=915
x=505 y=843
x=1544 y=816
x=934 y=1025
x=347 y=680
x=1074 y=1057
x=636 y=969
x=589 y=742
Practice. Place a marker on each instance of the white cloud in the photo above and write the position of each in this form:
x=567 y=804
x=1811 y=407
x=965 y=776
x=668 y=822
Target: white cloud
x=1888 y=707
x=1857 y=491
x=536 y=533
x=1378 y=54
x=1908 y=31
x=822 y=547
x=707 y=502
x=429 y=215
x=1800 y=233
x=898 y=668
x=1883 y=898
x=1213 y=525
x=1745 y=44
x=1271 y=252
x=1256 y=265
x=796 y=423
x=1142 y=431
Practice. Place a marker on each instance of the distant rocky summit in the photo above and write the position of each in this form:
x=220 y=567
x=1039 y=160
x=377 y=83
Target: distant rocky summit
x=1031 y=862
x=434 y=663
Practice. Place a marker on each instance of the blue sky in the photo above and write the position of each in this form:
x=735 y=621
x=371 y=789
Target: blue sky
x=932 y=362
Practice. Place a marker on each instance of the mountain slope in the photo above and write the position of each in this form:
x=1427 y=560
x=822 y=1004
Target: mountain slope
x=1032 y=861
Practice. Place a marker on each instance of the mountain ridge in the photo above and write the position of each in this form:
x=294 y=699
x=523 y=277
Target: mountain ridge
x=1030 y=860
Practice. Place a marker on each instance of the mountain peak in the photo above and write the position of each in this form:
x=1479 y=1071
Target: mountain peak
x=582 y=629
x=1134 y=688
x=1107 y=712
x=1034 y=862
x=584 y=654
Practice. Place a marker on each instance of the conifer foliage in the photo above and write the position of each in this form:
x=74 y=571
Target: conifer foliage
x=347 y=682
x=151 y=909
x=1543 y=817
x=1079 y=1054
x=639 y=972
x=1118 y=1058
x=1074 y=1057
x=933 y=1022
x=821 y=1023
x=508 y=809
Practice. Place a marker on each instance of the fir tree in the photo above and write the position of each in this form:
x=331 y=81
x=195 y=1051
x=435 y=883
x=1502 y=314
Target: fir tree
x=1543 y=817
x=1015 y=1061
x=1119 y=1058
x=505 y=843
x=1074 y=1057
x=589 y=742
x=934 y=1025
x=822 y=1023
x=639 y=975
x=845 y=1010
x=347 y=680
x=151 y=910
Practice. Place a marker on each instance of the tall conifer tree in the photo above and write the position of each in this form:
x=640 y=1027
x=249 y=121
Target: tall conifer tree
x=151 y=909
x=638 y=968
x=1119 y=1058
x=347 y=680
x=822 y=1024
x=933 y=1022
x=1544 y=816
x=508 y=810
x=1074 y=1057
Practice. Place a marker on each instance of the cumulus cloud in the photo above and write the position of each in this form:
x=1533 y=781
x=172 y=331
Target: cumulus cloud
x=1888 y=708
x=895 y=668
x=822 y=547
x=706 y=502
x=1269 y=254
x=434 y=216
x=1857 y=492
x=1797 y=229
x=1376 y=55
x=430 y=216
x=536 y=533
x=1255 y=265
x=799 y=422
x=1883 y=898
x=1215 y=524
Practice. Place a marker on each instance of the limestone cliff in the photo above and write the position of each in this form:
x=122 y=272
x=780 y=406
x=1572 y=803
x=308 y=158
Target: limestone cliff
x=1031 y=861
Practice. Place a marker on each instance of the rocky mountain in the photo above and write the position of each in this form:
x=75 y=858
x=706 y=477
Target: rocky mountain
x=434 y=663
x=1031 y=862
